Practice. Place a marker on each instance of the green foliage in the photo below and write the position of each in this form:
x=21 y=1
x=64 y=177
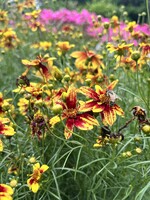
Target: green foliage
x=102 y=8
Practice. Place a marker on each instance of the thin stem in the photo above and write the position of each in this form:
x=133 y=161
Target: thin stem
x=148 y=13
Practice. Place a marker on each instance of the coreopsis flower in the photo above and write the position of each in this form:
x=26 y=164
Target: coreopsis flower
x=88 y=58
x=34 y=14
x=71 y=112
x=6 y=192
x=39 y=64
x=5 y=105
x=129 y=64
x=23 y=105
x=5 y=127
x=44 y=45
x=9 y=39
x=37 y=25
x=130 y=26
x=114 y=23
x=3 y=16
x=29 y=3
x=103 y=102
x=120 y=49
x=33 y=181
x=145 y=47
x=63 y=47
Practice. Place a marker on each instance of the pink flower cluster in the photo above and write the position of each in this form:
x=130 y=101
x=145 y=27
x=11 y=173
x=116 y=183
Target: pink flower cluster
x=85 y=18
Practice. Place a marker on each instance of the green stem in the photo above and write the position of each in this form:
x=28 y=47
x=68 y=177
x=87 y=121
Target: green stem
x=148 y=13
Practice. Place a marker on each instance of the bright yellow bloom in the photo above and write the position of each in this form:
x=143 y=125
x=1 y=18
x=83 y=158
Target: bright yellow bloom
x=6 y=192
x=33 y=181
x=63 y=47
x=5 y=127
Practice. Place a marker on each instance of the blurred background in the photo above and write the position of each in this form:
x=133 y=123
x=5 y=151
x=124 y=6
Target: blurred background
x=106 y=8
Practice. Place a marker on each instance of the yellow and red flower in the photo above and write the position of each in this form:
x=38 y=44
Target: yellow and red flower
x=88 y=58
x=102 y=101
x=33 y=181
x=63 y=47
x=71 y=112
x=5 y=128
x=6 y=192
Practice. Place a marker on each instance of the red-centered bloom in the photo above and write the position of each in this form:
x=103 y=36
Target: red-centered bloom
x=33 y=181
x=83 y=121
x=6 y=192
x=5 y=128
x=102 y=101
x=38 y=63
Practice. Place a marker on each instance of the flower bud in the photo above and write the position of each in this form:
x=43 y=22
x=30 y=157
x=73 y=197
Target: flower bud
x=146 y=129
x=106 y=25
x=13 y=183
x=57 y=108
x=135 y=55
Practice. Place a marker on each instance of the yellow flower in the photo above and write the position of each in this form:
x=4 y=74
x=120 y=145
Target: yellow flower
x=5 y=192
x=33 y=181
x=1 y=146
x=63 y=47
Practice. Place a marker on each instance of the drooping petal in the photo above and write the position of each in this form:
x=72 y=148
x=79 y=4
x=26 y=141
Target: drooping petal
x=118 y=110
x=35 y=187
x=87 y=106
x=108 y=115
x=112 y=85
x=87 y=91
x=71 y=98
x=69 y=128
x=44 y=70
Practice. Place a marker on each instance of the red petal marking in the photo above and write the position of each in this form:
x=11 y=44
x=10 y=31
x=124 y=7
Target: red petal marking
x=3 y=189
x=71 y=99
x=108 y=115
x=89 y=92
x=98 y=108
x=69 y=128
x=44 y=69
x=88 y=106
x=89 y=119
x=82 y=124
x=112 y=85
x=118 y=110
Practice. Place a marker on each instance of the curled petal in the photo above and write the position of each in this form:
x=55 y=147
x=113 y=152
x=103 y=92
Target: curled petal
x=118 y=110
x=108 y=115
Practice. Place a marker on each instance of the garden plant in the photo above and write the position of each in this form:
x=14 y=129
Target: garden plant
x=74 y=104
